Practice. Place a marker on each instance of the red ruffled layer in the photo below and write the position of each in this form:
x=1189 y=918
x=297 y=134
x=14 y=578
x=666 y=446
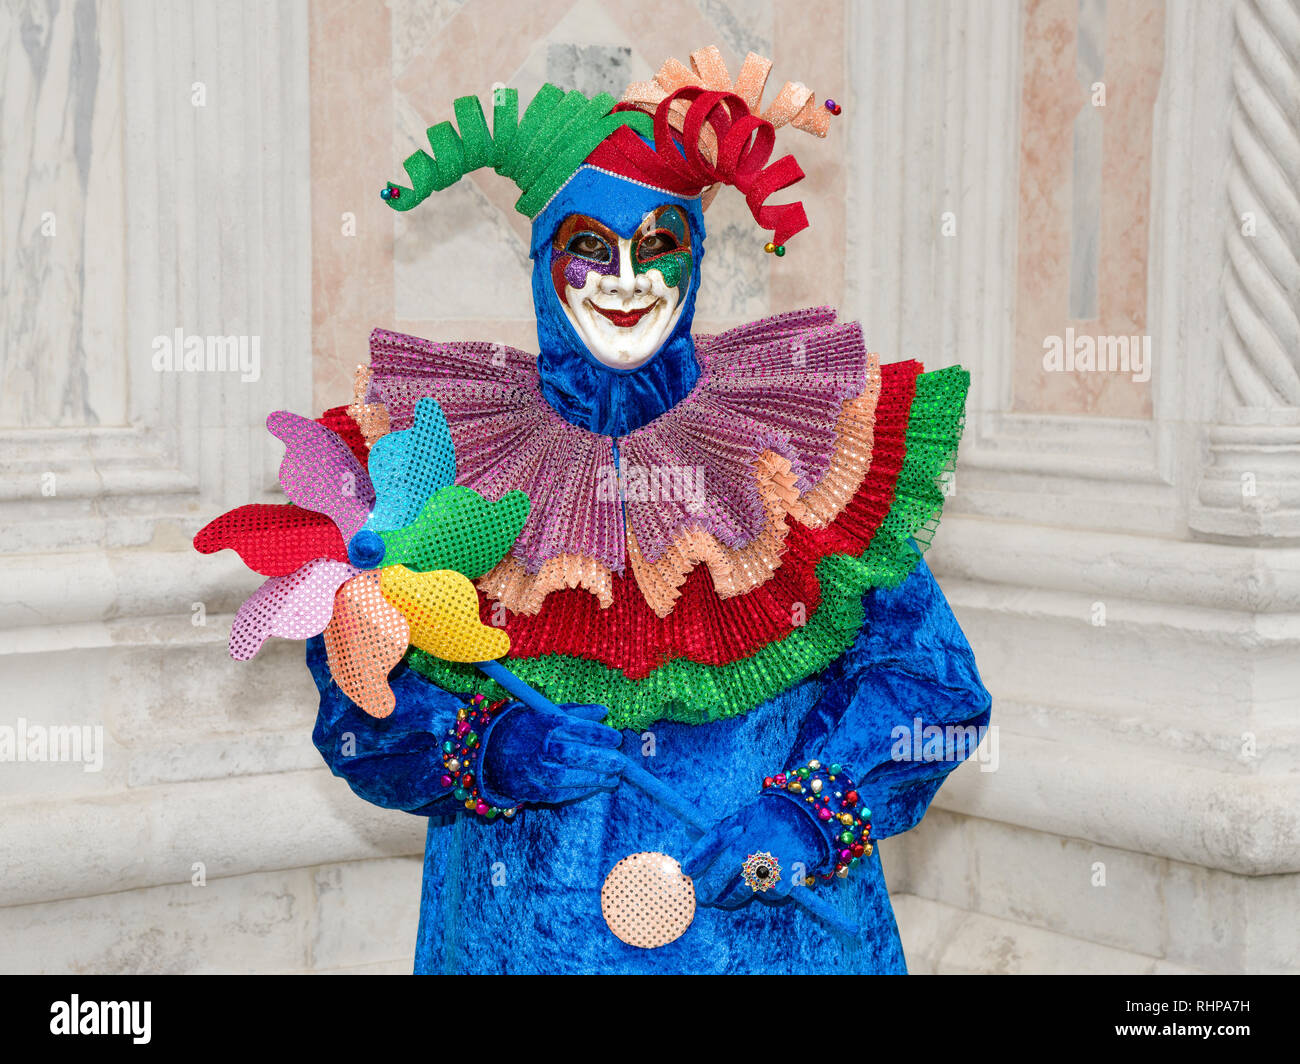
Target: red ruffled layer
x=704 y=628
x=338 y=420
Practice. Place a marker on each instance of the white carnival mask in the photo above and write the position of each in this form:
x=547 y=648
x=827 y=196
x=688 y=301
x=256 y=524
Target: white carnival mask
x=623 y=295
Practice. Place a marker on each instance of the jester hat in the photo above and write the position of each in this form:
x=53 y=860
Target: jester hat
x=685 y=133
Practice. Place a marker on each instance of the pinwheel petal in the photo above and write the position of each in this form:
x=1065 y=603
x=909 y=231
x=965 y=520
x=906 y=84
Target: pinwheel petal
x=442 y=610
x=297 y=606
x=365 y=639
x=320 y=472
x=407 y=467
x=272 y=539
x=458 y=529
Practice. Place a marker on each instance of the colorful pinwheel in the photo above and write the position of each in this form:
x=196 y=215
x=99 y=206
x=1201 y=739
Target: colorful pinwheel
x=377 y=558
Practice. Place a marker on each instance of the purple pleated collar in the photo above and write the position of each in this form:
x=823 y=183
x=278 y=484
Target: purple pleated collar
x=776 y=384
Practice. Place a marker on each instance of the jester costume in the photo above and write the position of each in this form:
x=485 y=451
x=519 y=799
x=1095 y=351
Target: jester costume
x=718 y=576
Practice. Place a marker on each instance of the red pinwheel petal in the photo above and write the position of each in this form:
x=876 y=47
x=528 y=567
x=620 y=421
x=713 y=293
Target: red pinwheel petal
x=274 y=540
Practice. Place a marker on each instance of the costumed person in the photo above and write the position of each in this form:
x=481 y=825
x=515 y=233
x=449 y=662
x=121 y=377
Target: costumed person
x=715 y=577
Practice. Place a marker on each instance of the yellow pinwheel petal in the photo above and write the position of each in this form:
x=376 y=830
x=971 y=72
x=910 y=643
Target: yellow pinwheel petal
x=441 y=607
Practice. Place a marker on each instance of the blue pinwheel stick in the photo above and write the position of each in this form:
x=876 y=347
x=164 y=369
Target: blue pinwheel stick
x=664 y=794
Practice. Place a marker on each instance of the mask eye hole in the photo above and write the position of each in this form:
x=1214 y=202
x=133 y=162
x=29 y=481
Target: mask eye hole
x=590 y=246
x=660 y=242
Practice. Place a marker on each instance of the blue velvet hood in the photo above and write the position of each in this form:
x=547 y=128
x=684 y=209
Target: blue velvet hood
x=610 y=401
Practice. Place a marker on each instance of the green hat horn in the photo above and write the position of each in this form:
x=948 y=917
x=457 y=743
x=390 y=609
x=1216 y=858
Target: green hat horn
x=539 y=153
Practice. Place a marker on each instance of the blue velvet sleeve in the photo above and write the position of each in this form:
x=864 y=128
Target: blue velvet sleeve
x=396 y=761
x=902 y=707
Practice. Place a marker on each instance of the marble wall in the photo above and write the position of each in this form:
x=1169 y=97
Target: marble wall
x=1121 y=554
x=61 y=226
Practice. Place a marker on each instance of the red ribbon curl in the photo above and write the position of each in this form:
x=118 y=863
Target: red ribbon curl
x=678 y=164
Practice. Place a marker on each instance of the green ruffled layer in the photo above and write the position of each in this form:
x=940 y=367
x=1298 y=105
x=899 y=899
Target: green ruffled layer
x=685 y=691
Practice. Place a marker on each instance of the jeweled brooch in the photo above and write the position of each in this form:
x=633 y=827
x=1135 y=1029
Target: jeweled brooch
x=761 y=871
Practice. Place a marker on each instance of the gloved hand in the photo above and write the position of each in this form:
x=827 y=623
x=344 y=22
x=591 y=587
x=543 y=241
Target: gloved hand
x=536 y=755
x=769 y=824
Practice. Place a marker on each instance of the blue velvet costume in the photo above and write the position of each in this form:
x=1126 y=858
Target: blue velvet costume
x=524 y=896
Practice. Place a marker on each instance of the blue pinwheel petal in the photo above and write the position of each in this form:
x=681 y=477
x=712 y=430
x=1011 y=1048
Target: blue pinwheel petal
x=407 y=467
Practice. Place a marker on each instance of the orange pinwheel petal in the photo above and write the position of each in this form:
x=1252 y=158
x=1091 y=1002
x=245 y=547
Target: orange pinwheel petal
x=364 y=640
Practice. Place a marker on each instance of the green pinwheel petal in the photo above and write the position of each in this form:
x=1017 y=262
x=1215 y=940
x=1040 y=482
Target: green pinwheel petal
x=458 y=529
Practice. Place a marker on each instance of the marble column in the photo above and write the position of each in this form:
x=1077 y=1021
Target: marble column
x=1251 y=487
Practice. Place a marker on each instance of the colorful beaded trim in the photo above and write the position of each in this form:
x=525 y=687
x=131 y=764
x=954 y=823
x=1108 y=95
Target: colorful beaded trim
x=832 y=800
x=462 y=752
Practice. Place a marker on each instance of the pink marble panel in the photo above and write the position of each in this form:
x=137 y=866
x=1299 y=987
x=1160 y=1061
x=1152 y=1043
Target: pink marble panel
x=1052 y=97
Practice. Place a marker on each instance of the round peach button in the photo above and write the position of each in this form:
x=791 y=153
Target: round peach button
x=647 y=901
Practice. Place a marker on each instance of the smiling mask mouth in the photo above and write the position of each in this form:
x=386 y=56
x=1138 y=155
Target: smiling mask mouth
x=624 y=319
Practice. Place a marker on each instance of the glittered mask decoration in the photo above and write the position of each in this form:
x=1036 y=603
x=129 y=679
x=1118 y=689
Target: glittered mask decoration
x=623 y=295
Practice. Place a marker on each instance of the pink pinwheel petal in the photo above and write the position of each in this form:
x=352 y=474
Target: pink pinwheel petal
x=366 y=638
x=320 y=472
x=297 y=606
